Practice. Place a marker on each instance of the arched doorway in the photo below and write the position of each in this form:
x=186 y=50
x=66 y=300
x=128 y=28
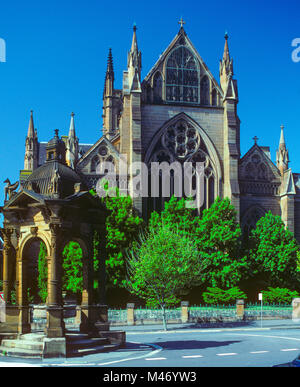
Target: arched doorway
x=36 y=271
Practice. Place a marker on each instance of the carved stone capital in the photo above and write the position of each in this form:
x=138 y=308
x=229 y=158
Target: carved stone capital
x=6 y=234
x=34 y=231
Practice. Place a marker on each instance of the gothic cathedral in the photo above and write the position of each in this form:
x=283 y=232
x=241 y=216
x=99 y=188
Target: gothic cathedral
x=180 y=112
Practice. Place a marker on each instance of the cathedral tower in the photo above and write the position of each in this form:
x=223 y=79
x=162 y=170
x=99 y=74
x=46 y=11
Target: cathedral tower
x=130 y=128
x=231 y=129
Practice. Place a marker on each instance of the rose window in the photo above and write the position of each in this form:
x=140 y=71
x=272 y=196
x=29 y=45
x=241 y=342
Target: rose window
x=181 y=139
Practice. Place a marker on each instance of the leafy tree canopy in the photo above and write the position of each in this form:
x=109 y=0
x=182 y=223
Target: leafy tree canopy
x=273 y=252
x=122 y=227
x=161 y=265
x=72 y=268
x=217 y=235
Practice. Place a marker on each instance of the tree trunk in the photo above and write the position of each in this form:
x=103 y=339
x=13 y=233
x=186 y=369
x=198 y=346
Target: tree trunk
x=164 y=318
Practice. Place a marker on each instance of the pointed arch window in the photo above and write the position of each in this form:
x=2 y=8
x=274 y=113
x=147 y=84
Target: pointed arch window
x=181 y=142
x=214 y=101
x=204 y=90
x=182 y=77
x=250 y=219
x=94 y=164
x=157 y=88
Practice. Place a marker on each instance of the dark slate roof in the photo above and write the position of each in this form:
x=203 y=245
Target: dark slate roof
x=41 y=178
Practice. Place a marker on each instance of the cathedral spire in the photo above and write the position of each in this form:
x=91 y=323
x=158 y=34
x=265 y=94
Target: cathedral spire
x=31 y=133
x=226 y=55
x=226 y=64
x=134 y=45
x=282 y=154
x=72 y=145
x=72 y=127
x=134 y=63
x=226 y=69
x=282 y=140
x=31 y=147
x=109 y=76
x=110 y=66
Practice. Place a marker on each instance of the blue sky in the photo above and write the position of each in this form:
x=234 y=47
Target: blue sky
x=57 y=55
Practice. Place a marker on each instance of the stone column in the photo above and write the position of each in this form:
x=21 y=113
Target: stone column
x=88 y=317
x=185 y=316
x=55 y=323
x=102 y=255
x=22 y=297
x=10 y=323
x=240 y=309
x=296 y=309
x=130 y=314
x=7 y=250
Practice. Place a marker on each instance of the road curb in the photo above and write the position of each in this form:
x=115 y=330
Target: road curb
x=212 y=330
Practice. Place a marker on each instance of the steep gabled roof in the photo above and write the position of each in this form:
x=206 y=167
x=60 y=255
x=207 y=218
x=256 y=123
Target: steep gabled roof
x=24 y=196
x=178 y=40
x=102 y=140
x=262 y=152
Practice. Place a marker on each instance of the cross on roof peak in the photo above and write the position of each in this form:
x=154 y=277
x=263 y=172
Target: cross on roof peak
x=255 y=138
x=181 y=22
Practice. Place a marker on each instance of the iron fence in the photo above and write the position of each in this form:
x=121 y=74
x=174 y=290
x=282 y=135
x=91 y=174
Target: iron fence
x=117 y=315
x=211 y=313
x=157 y=314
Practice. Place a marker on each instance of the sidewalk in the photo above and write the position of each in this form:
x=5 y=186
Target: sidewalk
x=244 y=325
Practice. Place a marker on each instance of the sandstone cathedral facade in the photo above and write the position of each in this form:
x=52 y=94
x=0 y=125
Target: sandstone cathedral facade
x=179 y=112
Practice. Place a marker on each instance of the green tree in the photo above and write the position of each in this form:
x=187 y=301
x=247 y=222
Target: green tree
x=175 y=214
x=122 y=227
x=217 y=235
x=43 y=273
x=273 y=253
x=72 y=268
x=161 y=265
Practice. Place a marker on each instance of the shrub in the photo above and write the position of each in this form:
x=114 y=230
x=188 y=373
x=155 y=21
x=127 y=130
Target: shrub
x=217 y=296
x=279 y=295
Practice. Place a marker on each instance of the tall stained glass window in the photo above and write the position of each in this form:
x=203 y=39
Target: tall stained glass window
x=182 y=77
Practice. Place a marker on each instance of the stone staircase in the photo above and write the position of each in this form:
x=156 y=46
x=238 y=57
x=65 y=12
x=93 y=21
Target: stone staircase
x=31 y=345
x=80 y=344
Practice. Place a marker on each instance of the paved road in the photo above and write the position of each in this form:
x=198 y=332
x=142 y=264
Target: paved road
x=193 y=347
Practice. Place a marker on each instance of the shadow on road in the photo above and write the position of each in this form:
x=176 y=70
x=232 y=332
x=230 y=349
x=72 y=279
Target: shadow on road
x=193 y=344
x=220 y=325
